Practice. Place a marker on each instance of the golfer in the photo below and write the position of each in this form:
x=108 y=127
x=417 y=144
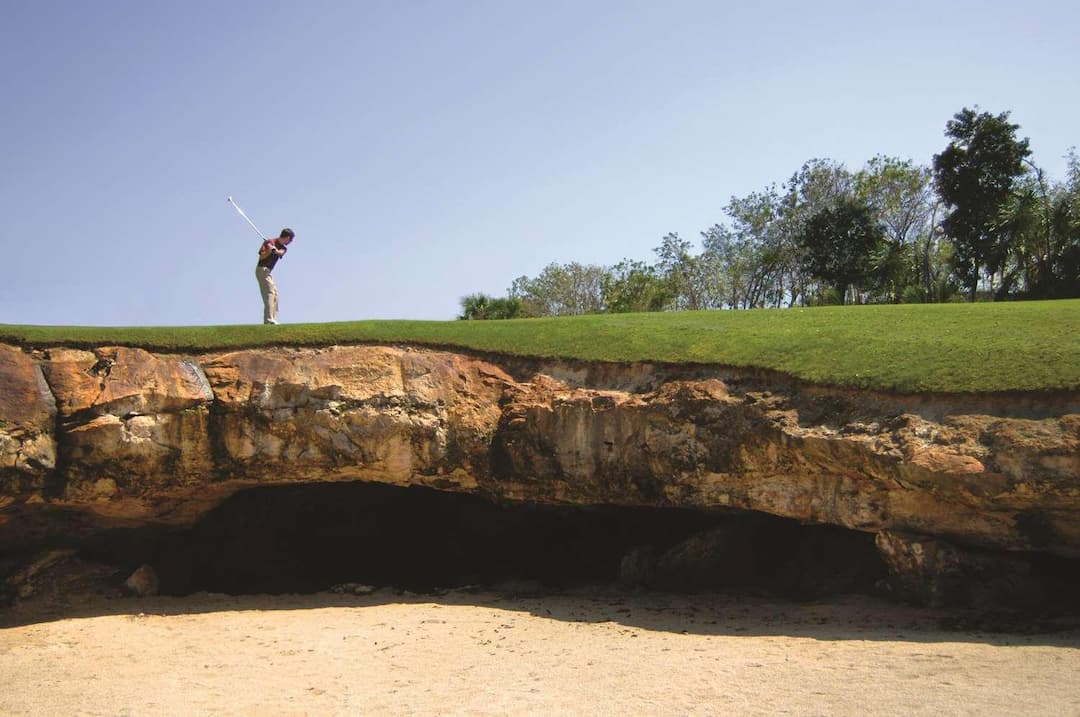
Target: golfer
x=269 y=253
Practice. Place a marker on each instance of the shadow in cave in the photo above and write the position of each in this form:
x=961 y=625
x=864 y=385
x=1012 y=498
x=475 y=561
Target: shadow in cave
x=309 y=538
x=284 y=547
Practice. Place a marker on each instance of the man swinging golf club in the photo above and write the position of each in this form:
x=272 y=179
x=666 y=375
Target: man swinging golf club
x=269 y=252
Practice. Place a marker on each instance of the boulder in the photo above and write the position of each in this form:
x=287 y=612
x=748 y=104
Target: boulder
x=143 y=582
x=930 y=571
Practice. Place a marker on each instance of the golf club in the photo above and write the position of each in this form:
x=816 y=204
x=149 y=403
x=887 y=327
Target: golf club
x=245 y=216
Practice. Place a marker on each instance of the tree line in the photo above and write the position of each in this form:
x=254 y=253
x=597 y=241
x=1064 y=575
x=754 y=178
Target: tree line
x=980 y=222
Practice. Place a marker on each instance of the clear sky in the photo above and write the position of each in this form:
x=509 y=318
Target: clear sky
x=426 y=150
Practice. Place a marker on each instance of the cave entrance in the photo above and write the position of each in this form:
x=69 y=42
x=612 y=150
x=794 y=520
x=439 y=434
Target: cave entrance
x=309 y=538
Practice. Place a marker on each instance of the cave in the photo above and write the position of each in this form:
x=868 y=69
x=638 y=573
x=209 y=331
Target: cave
x=312 y=537
x=960 y=501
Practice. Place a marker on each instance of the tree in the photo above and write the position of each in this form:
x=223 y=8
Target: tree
x=561 y=290
x=1042 y=221
x=682 y=271
x=474 y=306
x=901 y=194
x=633 y=286
x=839 y=243
x=1065 y=265
x=482 y=306
x=755 y=251
x=909 y=266
x=818 y=185
x=975 y=176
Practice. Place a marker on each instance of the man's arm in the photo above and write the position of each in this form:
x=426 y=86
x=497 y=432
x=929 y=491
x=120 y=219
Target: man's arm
x=267 y=248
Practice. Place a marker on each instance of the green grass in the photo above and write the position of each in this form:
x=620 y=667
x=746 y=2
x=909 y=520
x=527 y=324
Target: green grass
x=986 y=347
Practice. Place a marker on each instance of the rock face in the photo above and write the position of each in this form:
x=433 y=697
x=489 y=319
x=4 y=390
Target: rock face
x=934 y=572
x=121 y=436
x=359 y=413
x=27 y=421
x=131 y=422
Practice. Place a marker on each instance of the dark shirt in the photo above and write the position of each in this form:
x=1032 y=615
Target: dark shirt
x=272 y=258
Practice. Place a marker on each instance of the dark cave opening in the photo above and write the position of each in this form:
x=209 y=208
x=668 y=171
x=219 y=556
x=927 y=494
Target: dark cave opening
x=309 y=538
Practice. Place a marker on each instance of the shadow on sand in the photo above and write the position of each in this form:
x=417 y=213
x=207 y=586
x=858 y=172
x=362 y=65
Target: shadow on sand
x=734 y=614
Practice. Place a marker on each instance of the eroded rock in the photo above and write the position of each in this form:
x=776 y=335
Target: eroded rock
x=130 y=417
x=935 y=572
x=363 y=413
x=136 y=438
x=27 y=420
x=143 y=582
x=973 y=478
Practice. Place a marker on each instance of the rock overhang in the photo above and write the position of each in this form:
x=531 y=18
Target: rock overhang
x=127 y=437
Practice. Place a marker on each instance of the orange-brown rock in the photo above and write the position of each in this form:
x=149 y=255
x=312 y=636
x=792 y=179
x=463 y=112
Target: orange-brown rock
x=150 y=438
x=359 y=413
x=132 y=423
x=27 y=417
x=998 y=482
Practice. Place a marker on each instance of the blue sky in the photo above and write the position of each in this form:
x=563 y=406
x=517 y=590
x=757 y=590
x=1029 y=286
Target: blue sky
x=426 y=150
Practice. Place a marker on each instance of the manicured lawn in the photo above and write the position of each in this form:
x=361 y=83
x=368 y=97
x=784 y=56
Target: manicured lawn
x=913 y=347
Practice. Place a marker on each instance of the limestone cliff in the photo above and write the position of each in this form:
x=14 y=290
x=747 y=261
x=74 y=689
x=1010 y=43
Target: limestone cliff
x=91 y=439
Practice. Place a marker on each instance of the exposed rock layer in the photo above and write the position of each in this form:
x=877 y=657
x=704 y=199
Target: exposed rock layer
x=27 y=417
x=124 y=437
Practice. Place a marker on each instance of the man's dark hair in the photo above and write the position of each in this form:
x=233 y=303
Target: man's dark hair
x=286 y=232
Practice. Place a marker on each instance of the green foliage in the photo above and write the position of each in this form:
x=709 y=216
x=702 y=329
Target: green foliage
x=1042 y=223
x=901 y=195
x=561 y=290
x=762 y=262
x=891 y=270
x=975 y=175
x=751 y=253
x=474 y=306
x=633 y=286
x=918 y=347
x=840 y=244
x=990 y=220
x=688 y=278
x=482 y=306
x=913 y=263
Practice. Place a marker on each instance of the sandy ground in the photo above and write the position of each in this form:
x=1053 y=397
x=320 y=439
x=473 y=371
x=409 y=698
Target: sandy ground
x=487 y=653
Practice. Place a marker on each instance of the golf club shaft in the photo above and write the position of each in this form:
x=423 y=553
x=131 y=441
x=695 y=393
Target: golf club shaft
x=245 y=216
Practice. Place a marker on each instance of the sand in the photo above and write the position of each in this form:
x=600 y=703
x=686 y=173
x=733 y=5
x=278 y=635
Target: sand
x=489 y=653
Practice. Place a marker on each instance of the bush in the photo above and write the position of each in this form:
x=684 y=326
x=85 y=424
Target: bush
x=482 y=306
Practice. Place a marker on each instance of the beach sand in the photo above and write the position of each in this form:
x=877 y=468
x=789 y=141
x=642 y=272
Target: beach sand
x=464 y=652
